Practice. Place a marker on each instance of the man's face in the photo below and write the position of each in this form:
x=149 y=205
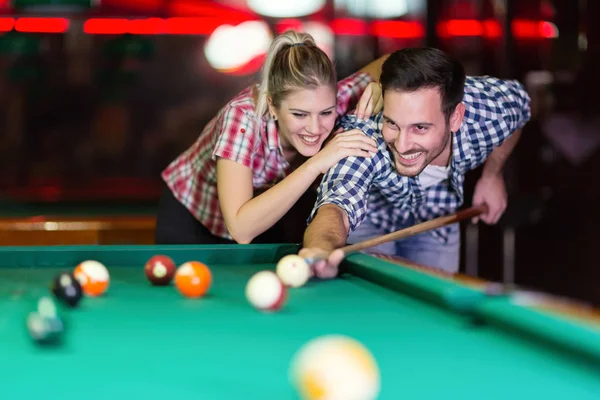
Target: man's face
x=415 y=129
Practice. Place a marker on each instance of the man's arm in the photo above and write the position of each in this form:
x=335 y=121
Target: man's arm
x=328 y=230
x=490 y=189
x=341 y=202
x=497 y=158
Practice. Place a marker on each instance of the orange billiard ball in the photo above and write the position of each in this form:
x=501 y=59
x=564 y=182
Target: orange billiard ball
x=193 y=279
x=93 y=277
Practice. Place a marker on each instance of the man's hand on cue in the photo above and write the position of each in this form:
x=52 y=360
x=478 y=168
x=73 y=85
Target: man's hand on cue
x=326 y=264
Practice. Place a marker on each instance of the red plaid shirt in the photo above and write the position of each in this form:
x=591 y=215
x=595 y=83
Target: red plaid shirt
x=236 y=134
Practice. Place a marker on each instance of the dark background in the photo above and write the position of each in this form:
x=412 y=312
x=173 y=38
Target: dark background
x=95 y=112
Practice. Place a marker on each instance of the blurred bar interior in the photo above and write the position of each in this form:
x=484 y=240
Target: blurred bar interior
x=97 y=96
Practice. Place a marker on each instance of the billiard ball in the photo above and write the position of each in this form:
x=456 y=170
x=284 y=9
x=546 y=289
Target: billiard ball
x=266 y=292
x=160 y=270
x=67 y=289
x=335 y=367
x=193 y=279
x=45 y=325
x=93 y=277
x=44 y=331
x=293 y=270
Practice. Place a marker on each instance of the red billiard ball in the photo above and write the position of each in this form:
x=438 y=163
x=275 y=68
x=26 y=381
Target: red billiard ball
x=160 y=270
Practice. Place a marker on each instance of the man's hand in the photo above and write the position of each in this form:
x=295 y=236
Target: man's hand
x=490 y=190
x=327 y=266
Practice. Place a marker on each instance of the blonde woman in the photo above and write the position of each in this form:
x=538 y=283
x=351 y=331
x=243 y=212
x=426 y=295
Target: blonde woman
x=269 y=139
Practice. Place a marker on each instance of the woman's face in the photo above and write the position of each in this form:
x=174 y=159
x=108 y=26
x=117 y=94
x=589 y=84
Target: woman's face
x=306 y=118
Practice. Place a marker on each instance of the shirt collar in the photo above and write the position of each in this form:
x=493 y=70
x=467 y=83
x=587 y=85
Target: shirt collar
x=273 y=141
x=461 y=145
x=272 y=133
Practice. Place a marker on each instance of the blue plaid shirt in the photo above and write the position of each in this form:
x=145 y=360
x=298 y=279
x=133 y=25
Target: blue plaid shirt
x=371 y=188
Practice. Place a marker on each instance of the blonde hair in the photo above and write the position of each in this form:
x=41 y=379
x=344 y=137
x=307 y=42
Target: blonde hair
x=293 y=62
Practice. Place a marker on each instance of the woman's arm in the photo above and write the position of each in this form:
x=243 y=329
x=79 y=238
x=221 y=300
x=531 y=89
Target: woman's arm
x=371 y=100
x=246 y=216
x=374 y=67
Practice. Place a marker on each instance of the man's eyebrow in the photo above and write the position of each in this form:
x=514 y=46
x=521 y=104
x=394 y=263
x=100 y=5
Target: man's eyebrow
x=388 y=118
x=412 y=124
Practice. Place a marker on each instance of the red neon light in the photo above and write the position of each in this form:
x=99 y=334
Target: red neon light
x=192 y=26
x=521 y=29
x=492 y=29
x=397 y=29
x=548 y=30
x=42 y=25
x=350 y=27
x=152 y=26
x=524 y=29
x=148 y=26
x=106 y=26
x=391 y=29
x=460 y=27
x=7 y=24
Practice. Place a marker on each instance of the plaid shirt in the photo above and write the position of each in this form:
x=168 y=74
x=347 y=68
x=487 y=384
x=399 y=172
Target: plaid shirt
x=371 y=188
x=236 y=133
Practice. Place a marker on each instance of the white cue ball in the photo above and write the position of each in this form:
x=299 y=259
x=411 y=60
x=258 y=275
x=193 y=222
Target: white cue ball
x=265 y=291
x=293 y=270
x=335 y=367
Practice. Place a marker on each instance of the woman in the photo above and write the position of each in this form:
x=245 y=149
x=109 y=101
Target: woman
x=267 y=139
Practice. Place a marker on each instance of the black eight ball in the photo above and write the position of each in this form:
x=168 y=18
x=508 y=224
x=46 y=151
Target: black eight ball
x=67 y=289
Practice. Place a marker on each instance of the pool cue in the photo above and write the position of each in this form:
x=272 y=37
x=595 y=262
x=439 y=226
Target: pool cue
x=411 y=230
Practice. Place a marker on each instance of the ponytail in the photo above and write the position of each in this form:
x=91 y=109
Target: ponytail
x=293 y=62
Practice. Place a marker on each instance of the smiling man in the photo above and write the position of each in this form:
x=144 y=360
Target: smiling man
x=436 y=125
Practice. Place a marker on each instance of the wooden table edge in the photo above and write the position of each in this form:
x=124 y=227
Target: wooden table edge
x=77 y=223
x=556 y=305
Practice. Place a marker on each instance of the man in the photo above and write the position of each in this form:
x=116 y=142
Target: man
x=436 y=125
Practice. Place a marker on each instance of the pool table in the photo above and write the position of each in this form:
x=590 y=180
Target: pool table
x=432 y=336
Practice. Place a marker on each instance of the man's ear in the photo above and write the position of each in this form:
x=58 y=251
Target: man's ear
x=457 y=117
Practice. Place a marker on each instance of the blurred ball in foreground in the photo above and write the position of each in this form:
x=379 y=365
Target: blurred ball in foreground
x=335 y=367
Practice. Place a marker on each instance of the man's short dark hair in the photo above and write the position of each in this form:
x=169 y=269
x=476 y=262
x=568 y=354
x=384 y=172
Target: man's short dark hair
x=411 y=69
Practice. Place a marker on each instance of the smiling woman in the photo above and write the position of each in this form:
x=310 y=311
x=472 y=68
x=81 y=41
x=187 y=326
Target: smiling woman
x=301 y=96
x=306 y=117
x=268 y=140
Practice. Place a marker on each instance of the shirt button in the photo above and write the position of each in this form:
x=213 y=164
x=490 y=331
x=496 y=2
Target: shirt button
x=243 y=130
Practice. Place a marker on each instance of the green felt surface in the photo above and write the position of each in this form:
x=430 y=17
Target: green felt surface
x=152 y=343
